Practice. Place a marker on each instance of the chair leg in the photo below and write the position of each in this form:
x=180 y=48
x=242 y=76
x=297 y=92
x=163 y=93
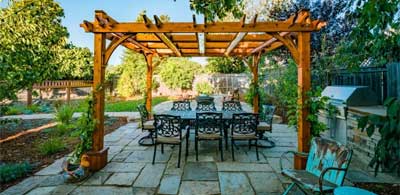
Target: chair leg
x=196 y=147
x=162 y=148
x=179 y=155
x=154 y=155
x=221 y=149
x=226 y=138
x=258 y=157
x=288 y=189
x=249 y=144
x=187 y=145
x=233 y=153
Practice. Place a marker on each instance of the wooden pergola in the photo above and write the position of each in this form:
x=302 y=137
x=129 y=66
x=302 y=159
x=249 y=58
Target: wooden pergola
x=186 y=39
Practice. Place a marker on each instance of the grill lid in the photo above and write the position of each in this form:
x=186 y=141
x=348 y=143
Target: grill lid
x=351 y=95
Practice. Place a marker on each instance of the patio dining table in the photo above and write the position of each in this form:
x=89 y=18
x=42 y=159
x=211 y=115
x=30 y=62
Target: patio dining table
x=191 y=115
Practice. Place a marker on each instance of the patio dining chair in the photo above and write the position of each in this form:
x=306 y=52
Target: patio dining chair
x=243 y=128
x=181 y=106
x=208 y=127
x=170 y=130
x=146 y=125
x=266 y=117
x=206 y=106
x=326 y=167
x=231 y=106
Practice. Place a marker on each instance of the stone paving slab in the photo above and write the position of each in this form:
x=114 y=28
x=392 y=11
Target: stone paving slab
x=123 y=167
x=121 y=179
x=102 y=190
x=143 y=191
x=265 y=182
x=199 y=188
x=150 y=176
x=41 y=190
x=97 y=179
x=235 y=183
x=170 y=184
x=25 y=186
x=200 y=171
x=53 y=169
x=243 y=167
x=147 y=156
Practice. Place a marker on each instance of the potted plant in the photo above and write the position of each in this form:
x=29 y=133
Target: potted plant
x=75 y=167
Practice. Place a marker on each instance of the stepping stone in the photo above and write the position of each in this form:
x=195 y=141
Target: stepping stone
x=260 y=179
x=103 y=190
x=170 y=184
x=123 y=167
x=150 y=176
x=144 y=191
x=122 y=179
x=199 y=187
x=235 y=183
x=41 y=190
x=97 y=179
x=201 y=171
x=243 y=167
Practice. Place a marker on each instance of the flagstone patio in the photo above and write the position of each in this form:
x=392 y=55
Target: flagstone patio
x=130 y=171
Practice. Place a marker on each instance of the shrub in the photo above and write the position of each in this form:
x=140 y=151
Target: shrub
x=204 y=88
x=64 y=114
x=12 y=171
x=13 y=111
x=51 y=146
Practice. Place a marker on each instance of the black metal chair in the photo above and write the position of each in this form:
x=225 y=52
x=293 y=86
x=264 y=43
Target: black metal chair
x=181 y=106
x=243 y=128
x=267 y=115
x=231 y=106
x=209 y=127
x=146 y=125
x=169 y=130
x=206 y=106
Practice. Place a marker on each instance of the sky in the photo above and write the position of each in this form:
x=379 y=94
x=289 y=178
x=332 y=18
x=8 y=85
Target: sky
x=121 y=10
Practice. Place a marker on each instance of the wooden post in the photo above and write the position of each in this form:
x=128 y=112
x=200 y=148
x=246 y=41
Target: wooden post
x=304 y=85
x=254 y=70
x=149 y=80
x=98 y=155
x=69 y=92
x=29 y=97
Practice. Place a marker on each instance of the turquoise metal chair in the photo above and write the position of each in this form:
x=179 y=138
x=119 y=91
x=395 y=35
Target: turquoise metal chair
x=326 y=167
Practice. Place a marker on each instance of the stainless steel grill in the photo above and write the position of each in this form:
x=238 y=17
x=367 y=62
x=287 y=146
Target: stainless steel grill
x=342 y=97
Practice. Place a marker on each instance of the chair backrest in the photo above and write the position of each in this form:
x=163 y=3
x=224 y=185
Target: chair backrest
x=231 y=106
x=268 y=112
x=206 y=106
x=244 y=123
x=209 y=123
x=144 y=114
x=181 y=106
x=326 y=153
x=168 y=125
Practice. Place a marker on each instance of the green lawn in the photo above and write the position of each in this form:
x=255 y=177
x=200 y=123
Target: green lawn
x=124 y=106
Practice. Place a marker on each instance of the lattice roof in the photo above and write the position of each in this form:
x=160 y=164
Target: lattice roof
x=242 y=38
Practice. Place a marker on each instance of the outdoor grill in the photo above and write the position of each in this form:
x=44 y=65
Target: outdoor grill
x=342 y=97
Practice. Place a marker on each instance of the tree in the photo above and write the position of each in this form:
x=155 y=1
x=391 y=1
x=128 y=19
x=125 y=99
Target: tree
x=178 y=73
x=225 y=65
x=217 y=9
x=75 y=63
x=31 y=35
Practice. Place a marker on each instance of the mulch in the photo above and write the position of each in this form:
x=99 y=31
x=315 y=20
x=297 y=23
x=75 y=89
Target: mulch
x=24 y=148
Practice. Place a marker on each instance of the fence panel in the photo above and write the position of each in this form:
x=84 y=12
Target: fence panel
x=393 y=76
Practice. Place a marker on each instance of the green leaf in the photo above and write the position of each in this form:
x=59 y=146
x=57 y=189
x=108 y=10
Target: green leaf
x=370 y=130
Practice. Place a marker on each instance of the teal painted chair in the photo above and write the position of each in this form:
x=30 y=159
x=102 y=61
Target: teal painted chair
x=326 y=167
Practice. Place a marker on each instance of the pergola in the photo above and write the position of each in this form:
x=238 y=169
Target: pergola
x=186 y=39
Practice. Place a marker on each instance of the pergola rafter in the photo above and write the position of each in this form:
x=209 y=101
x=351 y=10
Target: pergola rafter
x=168 y=39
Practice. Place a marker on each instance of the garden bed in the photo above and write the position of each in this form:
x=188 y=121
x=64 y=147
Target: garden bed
x=19 y=125
x=27 y=148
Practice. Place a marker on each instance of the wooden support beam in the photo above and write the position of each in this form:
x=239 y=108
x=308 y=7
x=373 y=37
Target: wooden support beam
x=254 y=70
x=147 y=21
x=98 y=155
x=142 y=47
x=253 y=21
x=194 y=21
x=288 y=42
x=234 y=43
x=29 y=97
x=304 y=85
x=158 y=21
x=149 y=80
x=113 y=45
x=87 y=26
x=267 y=43
x=243 y=20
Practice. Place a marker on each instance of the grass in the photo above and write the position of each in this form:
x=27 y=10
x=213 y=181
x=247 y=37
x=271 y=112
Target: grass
x=51 y=146
x=123 y=106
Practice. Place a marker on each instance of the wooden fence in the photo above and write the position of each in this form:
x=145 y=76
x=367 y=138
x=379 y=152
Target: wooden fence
x=64 y=84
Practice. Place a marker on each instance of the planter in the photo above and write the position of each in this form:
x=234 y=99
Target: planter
x=73 y=173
